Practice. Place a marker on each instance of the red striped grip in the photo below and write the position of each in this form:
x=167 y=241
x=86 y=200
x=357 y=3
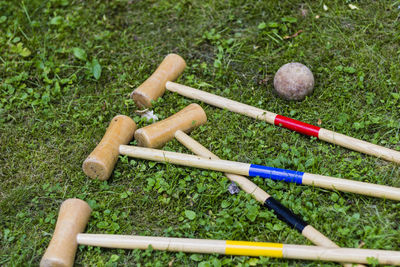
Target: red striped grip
x=298 y=126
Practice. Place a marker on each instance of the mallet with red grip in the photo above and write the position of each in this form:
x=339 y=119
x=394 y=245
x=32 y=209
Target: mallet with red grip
x=173 y=65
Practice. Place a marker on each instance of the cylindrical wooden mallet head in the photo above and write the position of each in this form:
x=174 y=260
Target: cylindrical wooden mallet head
x=154 y=87
x=72 y=219
x=101 y=162
x=157 y=134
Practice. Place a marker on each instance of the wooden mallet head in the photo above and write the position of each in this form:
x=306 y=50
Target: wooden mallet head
x=157 y=134
x=100 y=163
x=72 y=219
x=154 y=87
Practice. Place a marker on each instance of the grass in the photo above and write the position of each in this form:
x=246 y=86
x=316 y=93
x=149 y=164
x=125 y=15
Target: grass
x=68 y=66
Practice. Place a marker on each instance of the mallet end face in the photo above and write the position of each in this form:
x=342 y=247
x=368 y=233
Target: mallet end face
x=96 y=169
x=143 y=139
x=141 y=99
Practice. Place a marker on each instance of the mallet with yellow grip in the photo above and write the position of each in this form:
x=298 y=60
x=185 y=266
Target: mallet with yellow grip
x=74 y=215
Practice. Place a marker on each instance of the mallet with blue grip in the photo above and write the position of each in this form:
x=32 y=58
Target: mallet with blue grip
x=100 y=163
x=254 y=170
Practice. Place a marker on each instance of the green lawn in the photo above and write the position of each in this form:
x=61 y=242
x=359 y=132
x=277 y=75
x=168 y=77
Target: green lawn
x=55 y=105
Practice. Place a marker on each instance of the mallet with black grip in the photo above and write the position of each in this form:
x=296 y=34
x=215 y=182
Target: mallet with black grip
x=159 y=133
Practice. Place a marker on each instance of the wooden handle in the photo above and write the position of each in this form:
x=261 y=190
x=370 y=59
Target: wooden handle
x=100 y=163
x=170 y=68
x=72 y=219
x=184 y=159
x=291 y=124
x=341 y=254
x=262 y=171
x=157 y=134
x=346 y=185
x=359 y=145
x=240 y=248
x=244 y=183
x=221 y=102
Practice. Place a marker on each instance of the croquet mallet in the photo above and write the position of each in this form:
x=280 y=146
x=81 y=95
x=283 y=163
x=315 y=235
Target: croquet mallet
x=173 y=65
x=74 y=215
x=266 y=172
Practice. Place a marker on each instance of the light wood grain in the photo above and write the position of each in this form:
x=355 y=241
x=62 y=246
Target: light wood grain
x=340 y=254
x=346 y=185
x=158 y=243
x=359 y=145
x=251 y=188
x=244 y=183
x=169 y=69
x=256 y=113
x=72 y=219
x=219 y=246
x=240 y=168
x=100 y=163
x=184 y=159
x=157 y=134
x=221 y=102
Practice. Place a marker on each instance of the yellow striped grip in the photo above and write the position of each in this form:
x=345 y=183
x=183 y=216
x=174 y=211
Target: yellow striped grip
x=244 y=248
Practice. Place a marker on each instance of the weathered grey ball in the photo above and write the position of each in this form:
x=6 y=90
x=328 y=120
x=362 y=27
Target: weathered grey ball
x=294 y=81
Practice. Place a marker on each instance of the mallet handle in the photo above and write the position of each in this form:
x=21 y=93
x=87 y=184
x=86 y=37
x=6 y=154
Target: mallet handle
x=241 y=248
x=244 y=183
x=298 y=126
x=262 y=171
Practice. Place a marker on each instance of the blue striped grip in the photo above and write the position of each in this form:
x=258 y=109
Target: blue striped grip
x=276 y=174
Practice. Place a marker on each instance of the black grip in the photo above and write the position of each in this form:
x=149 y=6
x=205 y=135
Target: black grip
x=285 y=214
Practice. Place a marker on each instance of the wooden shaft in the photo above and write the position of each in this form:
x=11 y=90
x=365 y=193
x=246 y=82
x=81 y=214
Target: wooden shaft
x=243 y=169
x=221 y=102
x=72 y=219
x=170 y=68
x=251 y=188
x=321 y=240
x=351 y=186
x=272 y=118
x=244 y=183
x=158 y=243
x=100 y=163
x=340 y=254
x=184 y=159
x=157 y=134
x=241 y=248
x=359 y=145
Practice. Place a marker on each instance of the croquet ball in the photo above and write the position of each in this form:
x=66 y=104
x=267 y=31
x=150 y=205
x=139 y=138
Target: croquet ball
x=294 y=81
